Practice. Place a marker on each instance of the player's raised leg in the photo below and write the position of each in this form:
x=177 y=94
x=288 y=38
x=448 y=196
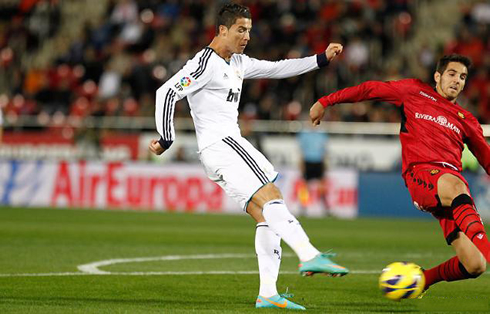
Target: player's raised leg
x=454 y=193
x=468 y=263
x=469 y=241
x=282 y=222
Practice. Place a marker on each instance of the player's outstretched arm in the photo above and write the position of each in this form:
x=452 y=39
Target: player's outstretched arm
x=156 y=148
x=392 y=91
x=317 y=111
x=258 y=69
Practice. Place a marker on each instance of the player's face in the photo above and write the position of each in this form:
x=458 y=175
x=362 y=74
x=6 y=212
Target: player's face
x=238 y=35
x=451 y=82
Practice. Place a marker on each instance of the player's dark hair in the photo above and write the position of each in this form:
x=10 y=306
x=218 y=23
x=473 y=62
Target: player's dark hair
x=229 y=13
x=444 y=61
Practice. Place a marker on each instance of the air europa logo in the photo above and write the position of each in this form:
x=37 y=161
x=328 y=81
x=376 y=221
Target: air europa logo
x=441 y=120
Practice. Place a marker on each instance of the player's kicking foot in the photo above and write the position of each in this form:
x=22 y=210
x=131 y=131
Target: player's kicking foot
x=322 y=264
x=277 y=302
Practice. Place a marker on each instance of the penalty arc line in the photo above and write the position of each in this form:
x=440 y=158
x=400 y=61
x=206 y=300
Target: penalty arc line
x=93 y=268
x=168 y=273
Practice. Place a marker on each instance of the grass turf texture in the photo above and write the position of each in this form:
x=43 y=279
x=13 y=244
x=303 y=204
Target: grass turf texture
x=56 y=241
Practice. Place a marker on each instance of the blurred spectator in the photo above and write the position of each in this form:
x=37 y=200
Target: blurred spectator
x=45 y=19
x=481 y=12
x=356 y=54
x=479 y=93
x=473 y=39
x=467 y=43
x=92 y=65
x=110 y=83
x=124 y=12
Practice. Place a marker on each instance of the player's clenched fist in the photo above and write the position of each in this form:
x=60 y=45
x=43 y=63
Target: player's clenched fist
x=156 y=148
x=333 y=50
x=316 y=113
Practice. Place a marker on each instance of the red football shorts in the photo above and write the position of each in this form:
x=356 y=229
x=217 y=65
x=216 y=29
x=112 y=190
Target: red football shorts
x=421 y=180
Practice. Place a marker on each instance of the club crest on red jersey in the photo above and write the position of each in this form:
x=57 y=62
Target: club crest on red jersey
x=434 y=171
x=461 y=115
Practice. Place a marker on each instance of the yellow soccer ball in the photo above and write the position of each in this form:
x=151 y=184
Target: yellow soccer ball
x=402 y=280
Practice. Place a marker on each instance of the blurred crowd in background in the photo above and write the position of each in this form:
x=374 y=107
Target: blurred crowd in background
x=115 y=63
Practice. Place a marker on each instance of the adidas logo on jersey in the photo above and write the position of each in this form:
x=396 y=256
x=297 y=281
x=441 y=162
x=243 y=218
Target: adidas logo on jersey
x=238 y=74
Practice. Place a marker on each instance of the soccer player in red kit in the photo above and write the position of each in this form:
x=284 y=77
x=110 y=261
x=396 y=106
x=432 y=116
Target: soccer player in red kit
x=433 y=131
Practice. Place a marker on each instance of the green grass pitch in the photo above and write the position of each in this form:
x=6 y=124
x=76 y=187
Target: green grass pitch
x=54 y=242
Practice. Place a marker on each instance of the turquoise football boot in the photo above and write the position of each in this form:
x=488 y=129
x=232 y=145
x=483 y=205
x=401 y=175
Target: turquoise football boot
x=278 y=301
x=322 y=264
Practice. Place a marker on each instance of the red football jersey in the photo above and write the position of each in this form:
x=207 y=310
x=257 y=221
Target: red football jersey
x=433 y=129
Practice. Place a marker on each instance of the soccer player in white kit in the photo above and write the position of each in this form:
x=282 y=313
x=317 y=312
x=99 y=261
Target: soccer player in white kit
x=212 y=82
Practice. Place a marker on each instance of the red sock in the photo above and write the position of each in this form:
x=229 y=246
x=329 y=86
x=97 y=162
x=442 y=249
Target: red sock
x=468 y=220
x=450 y=270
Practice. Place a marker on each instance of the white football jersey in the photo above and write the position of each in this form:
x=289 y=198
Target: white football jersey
x=213 y=87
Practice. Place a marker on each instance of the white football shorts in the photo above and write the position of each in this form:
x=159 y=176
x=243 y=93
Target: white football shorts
x=238 y=167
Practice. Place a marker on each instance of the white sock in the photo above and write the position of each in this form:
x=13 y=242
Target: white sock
x=268 y=249
x=281 y=221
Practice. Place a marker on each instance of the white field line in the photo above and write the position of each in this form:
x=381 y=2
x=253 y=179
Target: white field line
x=43 y=274
x=93 y=268
x=170 y=273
